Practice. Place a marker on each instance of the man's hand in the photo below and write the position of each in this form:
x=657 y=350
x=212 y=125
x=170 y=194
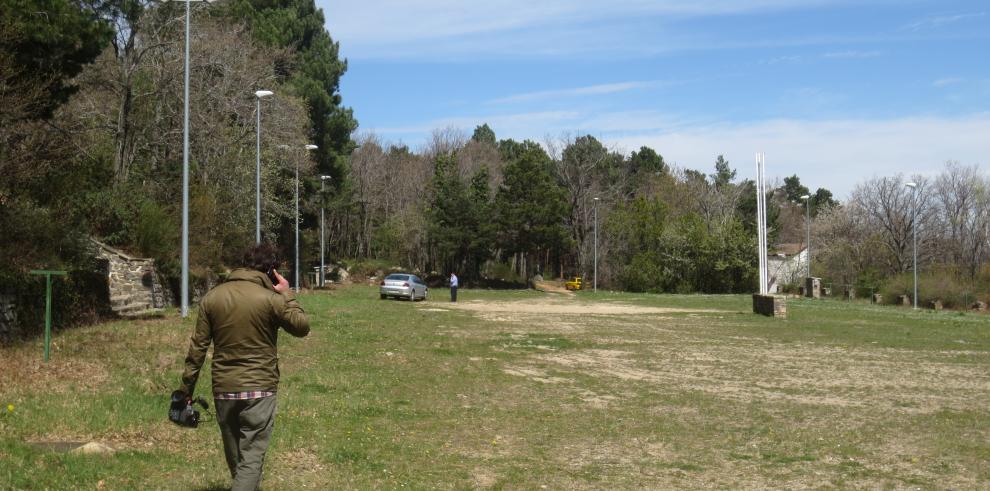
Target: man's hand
x=283 y=284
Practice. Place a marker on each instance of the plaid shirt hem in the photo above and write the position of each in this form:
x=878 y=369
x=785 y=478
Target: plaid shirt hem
x=241 y=396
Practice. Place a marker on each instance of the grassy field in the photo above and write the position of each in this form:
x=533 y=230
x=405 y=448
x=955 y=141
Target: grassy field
x=525 y=390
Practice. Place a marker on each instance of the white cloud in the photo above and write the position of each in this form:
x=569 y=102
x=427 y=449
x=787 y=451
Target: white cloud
x=580 y=91
x=937 y=21
x=782 y=59
x=516 y=125
x=404 y=20
x=835 y=154
x=852 y=54
x=410 y=28
x=947 y=81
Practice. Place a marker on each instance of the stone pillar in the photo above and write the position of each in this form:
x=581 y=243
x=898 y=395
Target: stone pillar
x=877 y=298
x=935 y=305
x=813 y=287
x=979 y=306
x=770 y=305
x=904 y=300
x=850 y=294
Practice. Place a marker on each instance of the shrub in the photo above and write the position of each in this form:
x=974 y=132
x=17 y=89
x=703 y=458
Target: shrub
x=954 y=291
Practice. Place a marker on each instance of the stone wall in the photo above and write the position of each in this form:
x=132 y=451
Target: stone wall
x=133 y=281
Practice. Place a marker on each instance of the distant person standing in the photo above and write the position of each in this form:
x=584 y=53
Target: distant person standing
x=453 y=287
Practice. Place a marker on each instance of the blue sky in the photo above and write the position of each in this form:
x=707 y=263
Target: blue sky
x=834 y=91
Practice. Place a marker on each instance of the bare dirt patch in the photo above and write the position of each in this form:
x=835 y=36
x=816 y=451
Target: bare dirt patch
x=674 y=353
x=565 y=307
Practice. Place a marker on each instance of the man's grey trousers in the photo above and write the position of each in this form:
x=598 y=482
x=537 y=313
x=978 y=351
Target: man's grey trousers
x=246 y=428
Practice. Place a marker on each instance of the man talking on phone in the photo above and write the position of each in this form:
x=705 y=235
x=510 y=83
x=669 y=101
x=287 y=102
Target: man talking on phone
x=241 y=318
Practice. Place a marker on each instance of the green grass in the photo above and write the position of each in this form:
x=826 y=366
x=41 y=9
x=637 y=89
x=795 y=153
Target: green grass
x=394 y=394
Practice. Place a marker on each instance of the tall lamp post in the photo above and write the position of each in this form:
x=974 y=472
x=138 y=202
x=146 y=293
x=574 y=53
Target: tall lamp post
x=185 y=171
x=260 y=94
x=596 y=247
x=807 y=206
x=323 y=180
x=914 y=231
x=310 y=148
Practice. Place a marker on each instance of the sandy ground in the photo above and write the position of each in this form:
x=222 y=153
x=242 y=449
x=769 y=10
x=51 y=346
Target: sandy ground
x=565 y=307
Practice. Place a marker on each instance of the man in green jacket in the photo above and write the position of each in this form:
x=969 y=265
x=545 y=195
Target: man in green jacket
x=241 y=318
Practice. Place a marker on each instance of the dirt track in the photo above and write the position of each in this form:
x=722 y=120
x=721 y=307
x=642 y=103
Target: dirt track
x=566 y=307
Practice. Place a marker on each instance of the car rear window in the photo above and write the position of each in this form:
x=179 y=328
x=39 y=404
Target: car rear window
x=398 y=277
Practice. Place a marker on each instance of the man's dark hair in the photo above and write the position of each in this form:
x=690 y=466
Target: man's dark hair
x=261 y=257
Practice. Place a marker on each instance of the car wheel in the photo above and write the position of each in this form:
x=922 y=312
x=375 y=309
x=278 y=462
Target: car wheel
x=384 y=296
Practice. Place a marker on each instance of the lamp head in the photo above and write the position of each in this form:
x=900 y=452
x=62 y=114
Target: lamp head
x=805 y=196
x=913 y=185
x=324 y=178
x=311 y=147
x=261 y=94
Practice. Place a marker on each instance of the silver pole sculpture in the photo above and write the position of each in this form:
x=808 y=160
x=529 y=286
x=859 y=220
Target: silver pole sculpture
x=257 y=174
x=596 y=245
x=914 y=231
x=807 y=206
x=761 y=223
x=323 y=236
x=185 y=179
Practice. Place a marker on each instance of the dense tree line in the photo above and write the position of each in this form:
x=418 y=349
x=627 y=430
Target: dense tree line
x=507 y=210
x=91 y=110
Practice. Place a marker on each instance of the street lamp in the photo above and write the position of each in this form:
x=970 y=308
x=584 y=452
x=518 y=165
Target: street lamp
x=309 y=147
x=807 y=205
x=914 y=231
x=260 y=94
x=596 y=246
x=323 y=180
x=185 y=172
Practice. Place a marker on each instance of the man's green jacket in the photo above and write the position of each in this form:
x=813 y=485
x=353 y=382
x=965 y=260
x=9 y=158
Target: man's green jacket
x=241 y=317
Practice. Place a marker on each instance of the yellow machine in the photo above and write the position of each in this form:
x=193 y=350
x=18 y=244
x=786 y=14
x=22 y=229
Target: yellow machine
x=574 y=284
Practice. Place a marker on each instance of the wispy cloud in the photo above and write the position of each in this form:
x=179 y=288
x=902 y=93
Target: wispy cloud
x=835 y=154
x=399 y=29
x=601 y=89
x=852 y=54
x=947 y=81
x=937 y=21
x=512 y=125
x=782 y=59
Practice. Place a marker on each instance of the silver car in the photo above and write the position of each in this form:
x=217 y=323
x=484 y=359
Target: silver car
x=401 y=285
